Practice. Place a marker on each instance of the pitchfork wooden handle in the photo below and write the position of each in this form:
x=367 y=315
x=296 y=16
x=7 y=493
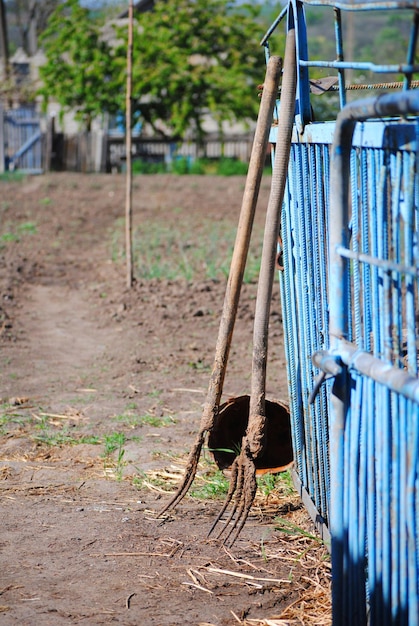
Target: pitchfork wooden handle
x=241 y=246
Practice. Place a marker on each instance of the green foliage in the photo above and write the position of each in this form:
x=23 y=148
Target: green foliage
x=231 y=167
x=181 y=166
x=143 y=167
x=194 y=57
x=191 y=58
x=80 y=69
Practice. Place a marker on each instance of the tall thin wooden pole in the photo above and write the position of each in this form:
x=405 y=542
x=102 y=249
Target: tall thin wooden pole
x=4 y=40
x=128 y=145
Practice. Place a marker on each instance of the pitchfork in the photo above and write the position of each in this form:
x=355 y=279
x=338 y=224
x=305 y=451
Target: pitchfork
x=242 y=488
x=235 y=279
x=243 y=484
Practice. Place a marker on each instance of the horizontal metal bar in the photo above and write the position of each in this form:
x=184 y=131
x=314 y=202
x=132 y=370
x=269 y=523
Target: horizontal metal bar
x=383 y=264
x=382 y=134
x=365 y=5
x=326 y=362
x=371 y=67
x=414 y=84
x=384 y=373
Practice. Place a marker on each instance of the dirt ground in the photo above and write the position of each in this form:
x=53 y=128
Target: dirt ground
x=102 y=390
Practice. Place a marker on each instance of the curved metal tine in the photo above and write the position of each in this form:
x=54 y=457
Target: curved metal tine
x=245 y=497
x=229 y=496
x=248 y=497
x=238 y=494
x=188 y=476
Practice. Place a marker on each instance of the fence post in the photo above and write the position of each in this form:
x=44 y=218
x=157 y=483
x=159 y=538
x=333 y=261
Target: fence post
x=2 y=142
x=49 y=141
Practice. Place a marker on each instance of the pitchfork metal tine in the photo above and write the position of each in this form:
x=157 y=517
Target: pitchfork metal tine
x=189 y=474
x=236 y=489
x=230 y=493
x=244 y=511
x=245 y=497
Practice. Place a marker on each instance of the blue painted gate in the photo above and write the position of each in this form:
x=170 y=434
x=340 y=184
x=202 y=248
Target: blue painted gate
x=349 y=288
x=22 y=141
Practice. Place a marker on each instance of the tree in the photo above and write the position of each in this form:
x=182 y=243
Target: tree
x=78 y=71
x=194 y=57
x=32 y=18
x=191 y=58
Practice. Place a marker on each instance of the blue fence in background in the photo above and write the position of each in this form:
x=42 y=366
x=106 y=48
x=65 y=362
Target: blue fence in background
x=22 y=140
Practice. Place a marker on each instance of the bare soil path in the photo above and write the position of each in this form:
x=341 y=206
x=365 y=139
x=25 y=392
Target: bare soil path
x=102 y=390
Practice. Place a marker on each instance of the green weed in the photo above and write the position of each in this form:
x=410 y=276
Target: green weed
x=64 y=438
x=15 y=234
x=214 y=485
x=27 y=228
x=194 y=251
x=289 y=528
x=280 y=483
x=7 y=237
x=285 y=484
x=142 y=480
x=210 y=482
x=153 y=420
x=199 y=366
x=267 y=483
x=10 y=418
x=115 y=443
x=128 y=419
x=155 y=393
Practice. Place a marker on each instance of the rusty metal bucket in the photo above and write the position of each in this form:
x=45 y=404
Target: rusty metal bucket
x=224 y=440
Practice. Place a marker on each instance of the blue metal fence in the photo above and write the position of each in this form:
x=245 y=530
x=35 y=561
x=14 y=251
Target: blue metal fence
x=373 y=300
x=349 y=287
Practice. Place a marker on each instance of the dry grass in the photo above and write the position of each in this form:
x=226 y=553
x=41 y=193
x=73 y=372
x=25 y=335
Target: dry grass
x=296 y=543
